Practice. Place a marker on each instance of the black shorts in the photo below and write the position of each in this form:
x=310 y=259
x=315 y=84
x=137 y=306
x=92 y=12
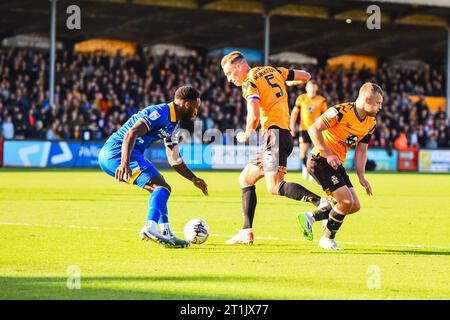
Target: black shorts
x=304 y=137
x=273 y=154
x=326 y=176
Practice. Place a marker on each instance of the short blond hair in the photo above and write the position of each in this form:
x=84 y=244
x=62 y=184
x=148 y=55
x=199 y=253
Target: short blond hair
x=232 y=57
x=371 y=88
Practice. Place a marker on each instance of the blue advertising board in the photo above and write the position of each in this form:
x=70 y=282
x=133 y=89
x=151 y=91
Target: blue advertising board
x=384 y=161
x=51 y=153
x=196 y=156
x=20 y=153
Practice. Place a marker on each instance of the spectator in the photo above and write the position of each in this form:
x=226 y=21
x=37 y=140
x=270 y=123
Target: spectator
x=401 y=142
x=413 y=138
x=432 y=141
x=20 y=126
x=442 y=140
x=51 y=132
x=95 y=94
x=8 y=128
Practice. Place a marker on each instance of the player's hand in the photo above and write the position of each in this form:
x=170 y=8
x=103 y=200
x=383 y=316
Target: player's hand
x=292 y=133
x=201 y=184
x=333 y=161
x=366 y=185
x=123 y=172
x=241 y=137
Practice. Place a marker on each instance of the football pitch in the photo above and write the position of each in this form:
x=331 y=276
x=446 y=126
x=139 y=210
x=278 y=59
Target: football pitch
x=56 y=224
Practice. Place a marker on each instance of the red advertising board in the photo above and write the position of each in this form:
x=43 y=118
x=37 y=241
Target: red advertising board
x=408 y=159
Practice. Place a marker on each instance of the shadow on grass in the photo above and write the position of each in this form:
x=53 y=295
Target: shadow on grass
x=383 y=251
x=135 y=287
x=262 y=248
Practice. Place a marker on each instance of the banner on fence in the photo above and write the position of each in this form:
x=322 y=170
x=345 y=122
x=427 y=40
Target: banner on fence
x=381 y=159
x=237 y=156
x=51 y=154
x=85 y=154
x=19 y=153
x=408 y=159
x=434 y=161
x=197 y=157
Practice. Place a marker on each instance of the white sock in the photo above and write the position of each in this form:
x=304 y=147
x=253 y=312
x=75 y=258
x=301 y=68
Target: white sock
x=247 y=230
x=323 y=203
x=152 y=225
x=310 y=217
x=165 y=227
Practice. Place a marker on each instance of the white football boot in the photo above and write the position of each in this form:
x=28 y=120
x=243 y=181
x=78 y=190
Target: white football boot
x=178 y=242
x=244 y=236
x=148 y=234
x=328 y=244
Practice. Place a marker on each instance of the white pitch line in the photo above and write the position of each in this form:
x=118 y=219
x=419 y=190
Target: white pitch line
x=372 y=244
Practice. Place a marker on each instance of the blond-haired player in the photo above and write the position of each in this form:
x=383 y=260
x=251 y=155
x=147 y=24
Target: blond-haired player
x=340 y=128
x=264 y=89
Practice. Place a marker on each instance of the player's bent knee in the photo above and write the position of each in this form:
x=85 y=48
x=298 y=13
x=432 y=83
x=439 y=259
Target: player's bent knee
x=166 y=186
x=346 y=205
x=355 y=208
x=242 y=179
x=247 y=179
x=153 y=186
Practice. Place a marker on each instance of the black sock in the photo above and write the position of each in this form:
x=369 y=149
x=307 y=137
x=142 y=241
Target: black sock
x=322 y=213
x=334 y=223
x=248 y=205
x=297 y=192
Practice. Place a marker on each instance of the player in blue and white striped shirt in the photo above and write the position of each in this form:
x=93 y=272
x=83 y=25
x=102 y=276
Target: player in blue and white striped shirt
x=122 y=157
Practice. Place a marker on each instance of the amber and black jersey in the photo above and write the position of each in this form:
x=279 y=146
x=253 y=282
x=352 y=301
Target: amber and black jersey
x=345 y=129
x=267 y=84
x=310 y=109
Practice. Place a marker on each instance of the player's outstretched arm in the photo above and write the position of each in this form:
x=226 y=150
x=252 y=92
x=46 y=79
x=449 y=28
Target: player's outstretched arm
x=300 y=76
x=315 y=132
x=123 y=172
x=177 y=162
x=360 y=165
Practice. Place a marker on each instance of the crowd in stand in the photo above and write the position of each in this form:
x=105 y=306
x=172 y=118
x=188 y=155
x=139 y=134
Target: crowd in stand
x=96 y=93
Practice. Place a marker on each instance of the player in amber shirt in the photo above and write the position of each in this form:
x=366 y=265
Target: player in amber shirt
x=340 y=128
x=264 y=90
x=310 y=106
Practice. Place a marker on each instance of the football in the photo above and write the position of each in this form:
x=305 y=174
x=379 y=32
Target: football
x=196 y=231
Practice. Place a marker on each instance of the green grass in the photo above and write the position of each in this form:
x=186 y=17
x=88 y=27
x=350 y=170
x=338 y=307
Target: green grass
x=50 y=220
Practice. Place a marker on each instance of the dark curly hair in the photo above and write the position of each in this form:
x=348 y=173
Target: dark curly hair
x=187 y=93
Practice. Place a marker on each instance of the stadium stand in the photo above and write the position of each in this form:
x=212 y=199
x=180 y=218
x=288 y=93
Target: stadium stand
x=96 y=93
